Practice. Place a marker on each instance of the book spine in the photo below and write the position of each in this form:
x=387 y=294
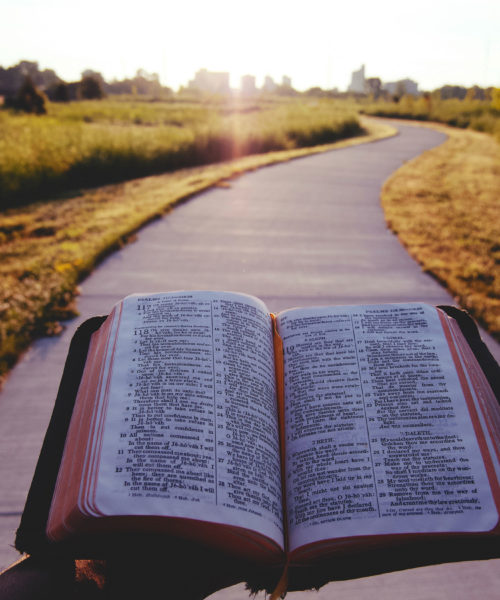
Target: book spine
x=280 y=399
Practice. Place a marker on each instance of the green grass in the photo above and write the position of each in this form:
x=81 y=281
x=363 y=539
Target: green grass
x=86 y=144
x=48 y=247
x=479 y=115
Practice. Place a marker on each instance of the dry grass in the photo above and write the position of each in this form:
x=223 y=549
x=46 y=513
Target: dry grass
x=48 y=247
x=445 y=208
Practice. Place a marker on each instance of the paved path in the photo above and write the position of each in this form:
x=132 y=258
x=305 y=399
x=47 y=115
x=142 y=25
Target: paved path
x=306 y=232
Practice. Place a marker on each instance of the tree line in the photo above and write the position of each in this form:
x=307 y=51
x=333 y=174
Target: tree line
x=25 y=87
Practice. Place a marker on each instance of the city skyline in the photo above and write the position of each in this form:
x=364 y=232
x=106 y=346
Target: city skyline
x=318 y=45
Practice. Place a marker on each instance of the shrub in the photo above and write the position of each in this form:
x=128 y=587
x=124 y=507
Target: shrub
x=495 y=99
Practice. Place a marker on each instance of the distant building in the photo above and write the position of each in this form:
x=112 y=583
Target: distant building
x=401 y=87
x=357 y=84
x=247 y=85
x=210 y=81
x=286 y=81
x=373 y=86
x=360 y=84
x=452 y=91
x=269 y=84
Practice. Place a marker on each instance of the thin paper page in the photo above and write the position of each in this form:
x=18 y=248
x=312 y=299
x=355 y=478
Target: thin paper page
x=100 y=408
x=378 y=433
x=191 y=426
x=486 y=404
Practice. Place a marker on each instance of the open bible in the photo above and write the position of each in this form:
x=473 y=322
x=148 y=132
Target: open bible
x=298 y=437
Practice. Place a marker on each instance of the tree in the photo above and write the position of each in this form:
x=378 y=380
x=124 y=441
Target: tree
x=29 y=99
x=59 y=92
x=94 y=75
x=90 y=88
x=12 y=79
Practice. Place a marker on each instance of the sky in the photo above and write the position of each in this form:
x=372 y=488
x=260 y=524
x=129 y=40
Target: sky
x=315 y=42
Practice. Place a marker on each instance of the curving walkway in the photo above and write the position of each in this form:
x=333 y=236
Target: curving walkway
x=310 y=231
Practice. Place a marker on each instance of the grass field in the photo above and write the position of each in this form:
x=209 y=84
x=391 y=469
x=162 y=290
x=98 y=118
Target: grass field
x=48 y=247
x=479 y=115
x=444 y=205
x=91 y=143
x=445 y=208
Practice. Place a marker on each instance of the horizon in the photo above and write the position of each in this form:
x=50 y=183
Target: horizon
x=446 y=43
x=235 y=86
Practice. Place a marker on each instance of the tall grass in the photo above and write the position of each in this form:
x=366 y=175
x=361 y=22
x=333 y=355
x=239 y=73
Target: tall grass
x=87 y=144
x=479 y=115
x=47 y=247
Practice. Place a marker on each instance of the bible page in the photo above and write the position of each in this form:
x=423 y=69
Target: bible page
x=379 y=437
x=191 y=422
